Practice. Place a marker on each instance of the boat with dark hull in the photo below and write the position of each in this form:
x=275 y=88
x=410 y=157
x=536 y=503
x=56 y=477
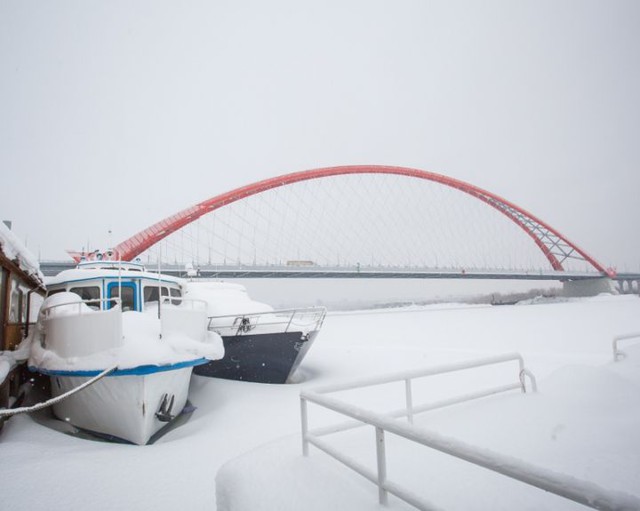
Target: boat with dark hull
x=263 y=347
x=261 y=344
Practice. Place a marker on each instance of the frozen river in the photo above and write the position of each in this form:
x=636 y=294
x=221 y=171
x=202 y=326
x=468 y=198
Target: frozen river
x=256 y=427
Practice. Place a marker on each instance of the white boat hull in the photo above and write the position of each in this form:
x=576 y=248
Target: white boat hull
x=122 y=406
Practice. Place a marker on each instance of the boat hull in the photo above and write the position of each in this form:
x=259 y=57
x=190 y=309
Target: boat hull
x=260 y=358
x=123 y=406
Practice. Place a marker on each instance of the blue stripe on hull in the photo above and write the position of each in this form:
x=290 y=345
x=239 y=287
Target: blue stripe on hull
x=134 y=371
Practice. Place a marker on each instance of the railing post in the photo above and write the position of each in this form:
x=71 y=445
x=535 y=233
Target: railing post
x=532 y=380
x=303 y=417
x=617 y=355
x=383 y=496
x=290 y=320
x=409 y=400
x=521 y=371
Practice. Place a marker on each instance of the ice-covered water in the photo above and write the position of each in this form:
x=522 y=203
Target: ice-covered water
x=586 y=406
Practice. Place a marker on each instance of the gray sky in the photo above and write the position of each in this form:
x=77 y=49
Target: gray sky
x=115 y=114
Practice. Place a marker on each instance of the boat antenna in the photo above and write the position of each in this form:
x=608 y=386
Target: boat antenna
x=159 y=286
x=120 y=279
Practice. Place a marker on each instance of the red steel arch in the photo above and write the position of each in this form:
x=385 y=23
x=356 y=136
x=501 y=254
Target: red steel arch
x=556 y=247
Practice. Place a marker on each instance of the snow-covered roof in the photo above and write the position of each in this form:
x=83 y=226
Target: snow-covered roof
x=97 y=273
x=15 y=251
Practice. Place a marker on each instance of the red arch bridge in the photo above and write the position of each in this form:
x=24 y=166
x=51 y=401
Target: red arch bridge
x=363 y=221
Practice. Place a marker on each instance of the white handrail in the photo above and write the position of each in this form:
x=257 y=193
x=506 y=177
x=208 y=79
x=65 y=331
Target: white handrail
x=183 y=301
x=586 y=493
x=277 y=317
x=389 y=486
x=304 y=310
x=404 y=412
x=619 y=354
x=431 y=371
x=46 y=310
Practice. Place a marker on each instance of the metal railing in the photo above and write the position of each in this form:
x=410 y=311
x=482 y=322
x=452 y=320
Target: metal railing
x=309 y=319
x=617 y=353
x=46 y=311
x=568 y=487
x=189 y=303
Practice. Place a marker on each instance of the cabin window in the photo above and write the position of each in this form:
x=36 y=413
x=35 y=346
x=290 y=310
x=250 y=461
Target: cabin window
x=55 y=291
x=88 y=293
x=128 y=297
x=151 y=293
x=175 y=295
x=171 y=295
x=17 y=309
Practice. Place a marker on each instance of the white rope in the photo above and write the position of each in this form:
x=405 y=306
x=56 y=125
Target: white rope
x=30 y=409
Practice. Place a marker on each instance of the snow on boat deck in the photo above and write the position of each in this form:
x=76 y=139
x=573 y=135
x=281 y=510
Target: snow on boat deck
x=584 y=422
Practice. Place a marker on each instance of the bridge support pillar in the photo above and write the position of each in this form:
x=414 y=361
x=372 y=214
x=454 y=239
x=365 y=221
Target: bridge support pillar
x=628 y=287
x=590 y=287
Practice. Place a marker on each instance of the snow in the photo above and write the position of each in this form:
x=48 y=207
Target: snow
x=107 y=269
x=138 y=340
x=65 y=304
x=15 y=251
x=241 y=448
x=5 y=367
x=9 y=359
x=224 y=298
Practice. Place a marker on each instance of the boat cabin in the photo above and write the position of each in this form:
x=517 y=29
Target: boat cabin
x=100 y=282
x=21 y=291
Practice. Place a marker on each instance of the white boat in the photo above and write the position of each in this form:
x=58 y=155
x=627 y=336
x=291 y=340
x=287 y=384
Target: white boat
x=108 y=314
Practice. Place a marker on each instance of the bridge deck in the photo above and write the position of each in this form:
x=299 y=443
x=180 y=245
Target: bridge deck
x=50 y=268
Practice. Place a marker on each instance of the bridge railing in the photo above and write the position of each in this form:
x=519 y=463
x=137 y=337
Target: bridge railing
x=562 y=485
x=50 y=268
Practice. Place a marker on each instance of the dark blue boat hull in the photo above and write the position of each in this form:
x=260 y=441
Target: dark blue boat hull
x=261 y=358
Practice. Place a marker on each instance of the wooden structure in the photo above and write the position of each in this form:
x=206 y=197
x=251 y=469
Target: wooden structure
x=21 y=292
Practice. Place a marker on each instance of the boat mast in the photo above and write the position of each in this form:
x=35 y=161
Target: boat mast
x=159 y=287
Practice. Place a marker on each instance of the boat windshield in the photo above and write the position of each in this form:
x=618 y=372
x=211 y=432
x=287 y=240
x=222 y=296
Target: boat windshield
x=88 y=293
x=128 y=296
x=150 y=294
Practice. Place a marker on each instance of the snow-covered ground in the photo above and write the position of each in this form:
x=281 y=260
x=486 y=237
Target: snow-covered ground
x=585 y=422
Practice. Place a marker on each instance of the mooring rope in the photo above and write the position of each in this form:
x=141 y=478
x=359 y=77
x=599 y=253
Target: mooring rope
x=9 y=412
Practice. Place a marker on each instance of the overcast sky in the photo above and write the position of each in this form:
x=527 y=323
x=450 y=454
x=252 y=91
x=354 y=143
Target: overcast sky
x=115 y=114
